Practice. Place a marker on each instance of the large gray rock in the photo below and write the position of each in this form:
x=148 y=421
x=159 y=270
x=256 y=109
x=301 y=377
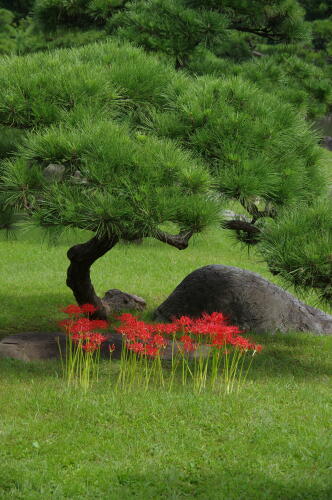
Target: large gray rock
x=250 y=301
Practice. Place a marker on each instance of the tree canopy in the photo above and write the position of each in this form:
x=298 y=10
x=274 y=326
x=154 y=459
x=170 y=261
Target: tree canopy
x=118 y=143
x=121 y=143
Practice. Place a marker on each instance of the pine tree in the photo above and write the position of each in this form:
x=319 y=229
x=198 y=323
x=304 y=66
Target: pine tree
x=84 y=165
x=181 y=27
x=118 y=143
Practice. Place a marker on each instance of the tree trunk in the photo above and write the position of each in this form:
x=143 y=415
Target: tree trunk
x=78 y=274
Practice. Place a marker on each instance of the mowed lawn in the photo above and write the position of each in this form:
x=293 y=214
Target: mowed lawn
x=271 y=441
x=33 y=273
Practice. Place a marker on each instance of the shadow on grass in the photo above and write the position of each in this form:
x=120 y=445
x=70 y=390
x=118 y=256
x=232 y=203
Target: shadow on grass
x=33 y=312
x=298 y=356
x=22 y=370
x=230 y=484
x=187 y=480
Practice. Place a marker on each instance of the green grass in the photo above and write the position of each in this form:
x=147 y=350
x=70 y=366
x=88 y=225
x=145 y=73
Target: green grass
x=272 y=441
x=33 y=274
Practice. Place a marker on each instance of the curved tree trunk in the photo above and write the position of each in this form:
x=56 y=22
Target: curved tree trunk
x=78 y=274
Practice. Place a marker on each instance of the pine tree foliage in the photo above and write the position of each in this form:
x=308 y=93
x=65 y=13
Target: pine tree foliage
x=257 y=150
x=178 y=27
x=305 y=85
x=116 y=180
x=256 y=147
x=317 y=9
x=298 y=246
x=50 y=14
x=20 y=7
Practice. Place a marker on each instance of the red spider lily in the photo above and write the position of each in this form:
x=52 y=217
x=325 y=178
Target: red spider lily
x=98 y=324
x=183 y=321
x=66 y=323
x=151 y=351
x=97 y=338
x=136 y=347
x=111 y=348
x=215 y=317
x=129 y=335
x=219 y=342
x=240 y=342
x=72 y=309
x=143 y=331
x=88 y=308
x=214 y=327
x=89 y=338
x=165 y=328
x=77 y=337
x=186 y=339
x=90 y=347
x=258 y=347
x=189 y=346
x=158 y=340
x=81 y=325
x=126 y=318
x=170 y=329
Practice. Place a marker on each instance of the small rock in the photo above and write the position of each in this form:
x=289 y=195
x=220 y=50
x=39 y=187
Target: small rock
x=115 y=301
x=32 y=346
x=78 y=178
x=44 y=346
x=230 y=215
x=54 y=172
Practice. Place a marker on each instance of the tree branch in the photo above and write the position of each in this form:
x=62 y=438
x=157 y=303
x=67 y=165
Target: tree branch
x=179 y=241
x=254 y=211
x=238 y=225
x=256 y=31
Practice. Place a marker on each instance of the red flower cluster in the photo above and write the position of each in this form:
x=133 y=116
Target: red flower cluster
x=75 y=310
x=81 y=330
x=141 y=338
x=211 y=329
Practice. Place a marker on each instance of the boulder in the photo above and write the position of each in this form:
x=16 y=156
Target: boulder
x=115 y=301
x=248 y=300
x=34 y=346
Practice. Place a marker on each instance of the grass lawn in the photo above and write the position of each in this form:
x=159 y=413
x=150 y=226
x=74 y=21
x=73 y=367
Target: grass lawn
x=33 y=277
x=272 y=441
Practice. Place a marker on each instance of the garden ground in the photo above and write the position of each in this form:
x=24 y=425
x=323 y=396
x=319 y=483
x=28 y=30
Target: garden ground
x=272 y=441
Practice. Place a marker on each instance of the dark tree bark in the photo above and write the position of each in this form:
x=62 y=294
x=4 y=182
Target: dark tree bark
x=78 y=275
x=252 y=231
x=179 y=241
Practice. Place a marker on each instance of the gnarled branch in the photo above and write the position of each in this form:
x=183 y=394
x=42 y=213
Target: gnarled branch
x=179 y=241
x=238 y=225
